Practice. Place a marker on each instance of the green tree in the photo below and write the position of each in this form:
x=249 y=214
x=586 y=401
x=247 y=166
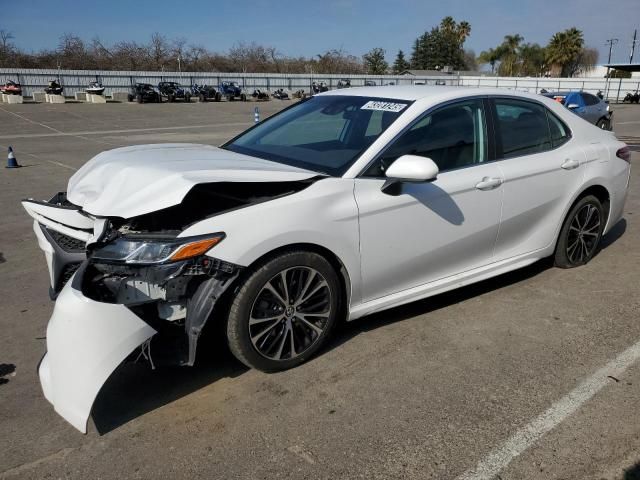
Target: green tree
x=563 y=51
x=442 y=46
x=532 y=60
x=374 y=62
x=400 y=64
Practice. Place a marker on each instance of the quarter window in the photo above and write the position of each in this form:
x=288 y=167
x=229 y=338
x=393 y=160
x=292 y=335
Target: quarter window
x=522 y=127
x=590 y=99
x=559 y=131
x=453 y=136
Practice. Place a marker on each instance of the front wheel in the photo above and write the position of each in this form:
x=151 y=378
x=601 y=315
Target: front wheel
x=581 y=233
x=284 y=311
x=604 y=124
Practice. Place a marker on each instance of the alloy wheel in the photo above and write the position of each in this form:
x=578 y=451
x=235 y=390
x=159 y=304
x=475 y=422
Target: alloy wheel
x=290 y=313
x=583 y=234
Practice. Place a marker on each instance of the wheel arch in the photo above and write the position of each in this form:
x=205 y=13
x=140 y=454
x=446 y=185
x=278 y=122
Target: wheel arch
x=597 y=190
x=330 y=256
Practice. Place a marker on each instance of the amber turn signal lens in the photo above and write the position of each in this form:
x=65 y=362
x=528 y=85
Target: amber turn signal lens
x=196 y=248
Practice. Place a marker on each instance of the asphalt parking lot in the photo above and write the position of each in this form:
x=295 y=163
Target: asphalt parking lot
x=529 y=375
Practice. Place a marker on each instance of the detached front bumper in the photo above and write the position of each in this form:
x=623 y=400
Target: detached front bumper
x=86 y=341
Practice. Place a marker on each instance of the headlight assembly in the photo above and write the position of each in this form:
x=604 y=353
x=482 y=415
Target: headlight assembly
x=140 y=251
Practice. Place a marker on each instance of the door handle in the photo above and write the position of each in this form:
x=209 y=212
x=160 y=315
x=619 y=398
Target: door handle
x=570 y=164
x=489 y=183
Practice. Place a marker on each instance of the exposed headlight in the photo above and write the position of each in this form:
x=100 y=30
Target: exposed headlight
x=141 y=251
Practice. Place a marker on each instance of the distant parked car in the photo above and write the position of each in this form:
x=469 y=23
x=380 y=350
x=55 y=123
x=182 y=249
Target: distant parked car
x=370 y=83
x=174 y=91
x=143 y=93
x=593 y=109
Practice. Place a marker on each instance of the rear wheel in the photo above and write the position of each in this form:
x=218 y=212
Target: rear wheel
x=284 y=311
x=139 y=98
x=604 y=124
x=581 y=233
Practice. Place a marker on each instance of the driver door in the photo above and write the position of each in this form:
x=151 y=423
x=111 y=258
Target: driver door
x=431 y=230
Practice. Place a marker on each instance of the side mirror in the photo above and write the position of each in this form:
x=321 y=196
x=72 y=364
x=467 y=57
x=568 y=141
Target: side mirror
x=573 y=106
x=409 y=168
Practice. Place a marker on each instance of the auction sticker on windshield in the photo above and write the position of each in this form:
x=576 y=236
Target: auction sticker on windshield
x=383 y=106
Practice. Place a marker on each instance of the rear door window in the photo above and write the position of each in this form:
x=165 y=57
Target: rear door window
x=522 y=127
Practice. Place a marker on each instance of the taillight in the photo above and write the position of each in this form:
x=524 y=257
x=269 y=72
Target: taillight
x=624 y=153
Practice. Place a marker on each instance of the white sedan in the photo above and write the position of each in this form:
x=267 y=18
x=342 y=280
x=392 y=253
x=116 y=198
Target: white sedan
x=348 y=203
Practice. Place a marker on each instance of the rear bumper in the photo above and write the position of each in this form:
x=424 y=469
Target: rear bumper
x=86 y=341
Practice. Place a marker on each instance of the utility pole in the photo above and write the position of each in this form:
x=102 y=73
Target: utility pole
x=633 y=45
x=611 y=42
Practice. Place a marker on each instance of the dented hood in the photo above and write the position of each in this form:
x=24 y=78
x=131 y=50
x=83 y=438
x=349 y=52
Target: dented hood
x=132 y=181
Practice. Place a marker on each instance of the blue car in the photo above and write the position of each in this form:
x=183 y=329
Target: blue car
x=593 y=109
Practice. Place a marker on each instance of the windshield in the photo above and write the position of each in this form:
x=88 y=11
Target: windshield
x=325 y=134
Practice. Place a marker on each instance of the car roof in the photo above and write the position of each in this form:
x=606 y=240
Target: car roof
x=428 y=92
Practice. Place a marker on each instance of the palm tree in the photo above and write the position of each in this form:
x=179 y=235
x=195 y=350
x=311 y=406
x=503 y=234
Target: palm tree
x=564 y=49
x=464 y=30
x=509 y=57
x=490 y=56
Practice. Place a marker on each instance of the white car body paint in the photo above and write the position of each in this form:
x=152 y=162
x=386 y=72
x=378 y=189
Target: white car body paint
x=131 y=181
x=86 y=341
x=432 y=238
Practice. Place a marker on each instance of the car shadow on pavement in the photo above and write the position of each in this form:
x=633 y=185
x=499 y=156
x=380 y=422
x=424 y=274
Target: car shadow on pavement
x=348 y=330
x=136 y=389
x=632 y=473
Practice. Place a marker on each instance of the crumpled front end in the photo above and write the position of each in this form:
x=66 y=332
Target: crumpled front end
x=124 y=288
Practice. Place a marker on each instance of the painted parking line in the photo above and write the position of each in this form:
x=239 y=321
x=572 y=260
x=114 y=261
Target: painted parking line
x=525 y=437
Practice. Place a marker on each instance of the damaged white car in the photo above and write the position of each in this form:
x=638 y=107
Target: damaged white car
x=344 y=204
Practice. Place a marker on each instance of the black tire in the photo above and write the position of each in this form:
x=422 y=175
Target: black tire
x=218 y=97
x=604 y=124
x=130 y=98
x=170 y=98
x=139 y=98
x=243 y=97
x=581 y=233
x=202 y=98
x=253 y=297
x=187 y=98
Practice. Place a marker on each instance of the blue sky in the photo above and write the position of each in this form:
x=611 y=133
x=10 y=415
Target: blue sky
x=308 y=27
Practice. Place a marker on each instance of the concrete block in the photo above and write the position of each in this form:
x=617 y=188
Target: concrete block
x=91 y=98
x=120 y=96
x=39 y=97
x=12 y=99
x=81 y=96
x=55 y=98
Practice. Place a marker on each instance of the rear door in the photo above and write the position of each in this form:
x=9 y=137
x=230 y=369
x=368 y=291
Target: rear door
x=542 y=169
x=594 y=108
